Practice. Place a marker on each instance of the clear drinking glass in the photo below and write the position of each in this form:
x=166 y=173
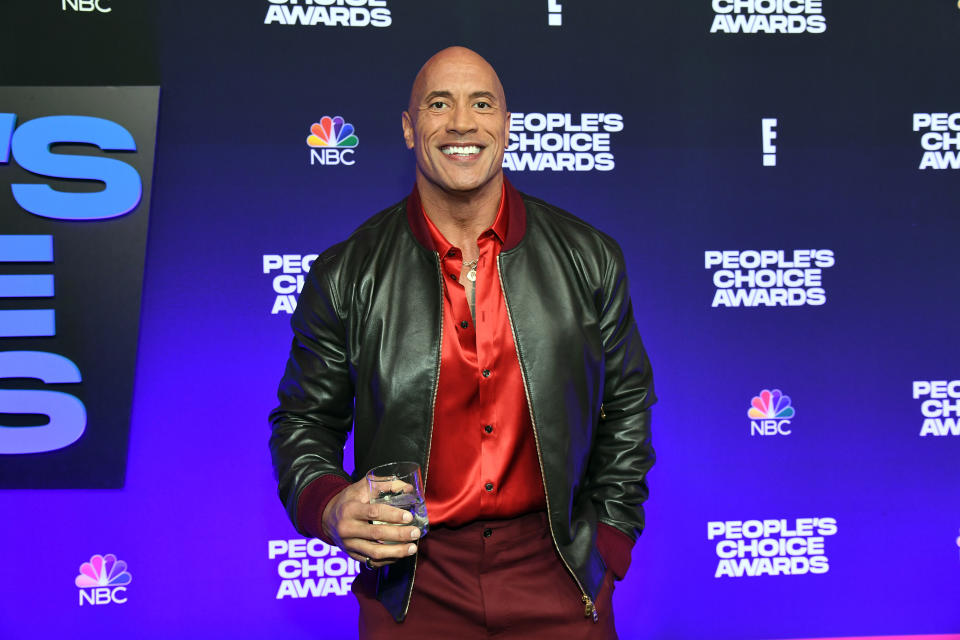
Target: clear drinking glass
x=399 y=484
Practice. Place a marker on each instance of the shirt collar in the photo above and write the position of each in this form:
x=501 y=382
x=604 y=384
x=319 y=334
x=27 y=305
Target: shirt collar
x=515 y=212
x=498 y=228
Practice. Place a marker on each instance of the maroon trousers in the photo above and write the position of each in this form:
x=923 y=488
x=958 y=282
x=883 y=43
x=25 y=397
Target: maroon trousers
x=498 y=579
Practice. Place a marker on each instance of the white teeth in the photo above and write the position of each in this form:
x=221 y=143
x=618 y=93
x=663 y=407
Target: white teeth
x=461 y=151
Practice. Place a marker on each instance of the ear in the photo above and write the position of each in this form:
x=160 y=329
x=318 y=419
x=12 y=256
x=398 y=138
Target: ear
x=407 y=124
x=506 y=134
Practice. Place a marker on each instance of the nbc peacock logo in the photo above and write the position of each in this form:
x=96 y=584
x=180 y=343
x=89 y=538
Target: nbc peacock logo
x=103 y=580
x=770 y=413
x=332 y=141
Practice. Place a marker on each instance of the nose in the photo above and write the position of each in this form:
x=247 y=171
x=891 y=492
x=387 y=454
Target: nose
x=462 y=120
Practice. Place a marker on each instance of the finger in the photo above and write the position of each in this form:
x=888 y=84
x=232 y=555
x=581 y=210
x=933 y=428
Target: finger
x=389 y=533
x=381 y=552
x=363 y=530
x=396 y=486
x=387 y=513
x=370 y=563
x=366 y=512
x=366 y=530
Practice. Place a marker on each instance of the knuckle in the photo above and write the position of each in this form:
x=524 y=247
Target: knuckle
x=389 y=514
x=379 y=552
x=385 y=532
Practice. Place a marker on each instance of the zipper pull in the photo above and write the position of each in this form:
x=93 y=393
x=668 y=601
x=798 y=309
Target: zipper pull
x=588 y=609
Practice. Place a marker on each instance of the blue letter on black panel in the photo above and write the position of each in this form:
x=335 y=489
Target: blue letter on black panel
x=7 y=120
x=68 y=417
x=31 y=148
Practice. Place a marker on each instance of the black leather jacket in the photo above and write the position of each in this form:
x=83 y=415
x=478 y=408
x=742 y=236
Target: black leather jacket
x=366 y=353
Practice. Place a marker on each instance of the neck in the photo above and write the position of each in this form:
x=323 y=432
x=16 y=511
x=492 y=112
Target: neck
x=461 y=217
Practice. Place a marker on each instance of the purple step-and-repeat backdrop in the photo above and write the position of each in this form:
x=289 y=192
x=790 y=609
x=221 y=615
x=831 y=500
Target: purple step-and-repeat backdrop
x=781 y=174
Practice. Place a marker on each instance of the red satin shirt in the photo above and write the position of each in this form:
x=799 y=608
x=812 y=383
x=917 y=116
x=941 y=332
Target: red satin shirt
x=483 y=456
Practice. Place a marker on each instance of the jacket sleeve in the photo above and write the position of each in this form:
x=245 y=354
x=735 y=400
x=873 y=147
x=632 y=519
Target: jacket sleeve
x=310 y=426
x=622 y=452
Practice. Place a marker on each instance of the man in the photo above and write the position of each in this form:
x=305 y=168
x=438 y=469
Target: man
x=488 y=336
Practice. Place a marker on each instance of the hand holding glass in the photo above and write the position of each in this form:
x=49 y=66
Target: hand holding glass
x=399 y=485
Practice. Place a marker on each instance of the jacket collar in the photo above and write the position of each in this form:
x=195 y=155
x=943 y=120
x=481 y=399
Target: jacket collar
x=514 y=209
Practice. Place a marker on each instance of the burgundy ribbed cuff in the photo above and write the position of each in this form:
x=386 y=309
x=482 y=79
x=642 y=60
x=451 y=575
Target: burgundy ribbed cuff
x=313 y=500
x=615 y=547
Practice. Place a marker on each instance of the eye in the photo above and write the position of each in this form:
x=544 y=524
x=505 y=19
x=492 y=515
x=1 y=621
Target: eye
x=438 y=104
x=482 y=104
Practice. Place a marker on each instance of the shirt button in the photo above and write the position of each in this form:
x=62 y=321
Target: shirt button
x=488 y=428
x=464 y=324
x=486 y=373
x=453 y=277
x=487 y=533
x=452 y=252
x=488 y=486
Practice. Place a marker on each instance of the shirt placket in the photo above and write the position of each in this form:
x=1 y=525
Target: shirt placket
x=457 y=296
x=467 y=340
x=488 y=425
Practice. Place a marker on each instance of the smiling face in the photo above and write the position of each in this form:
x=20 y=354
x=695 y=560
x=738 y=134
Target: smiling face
x=457 y=123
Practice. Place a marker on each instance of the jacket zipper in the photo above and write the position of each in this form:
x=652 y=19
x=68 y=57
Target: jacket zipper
x=589 y=609
x=433 y=417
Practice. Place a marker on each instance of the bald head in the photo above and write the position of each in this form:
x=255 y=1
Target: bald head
x=453 y=60
x=458 y=126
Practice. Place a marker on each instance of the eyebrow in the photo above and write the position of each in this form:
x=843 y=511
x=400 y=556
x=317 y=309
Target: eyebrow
x=447 y=94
